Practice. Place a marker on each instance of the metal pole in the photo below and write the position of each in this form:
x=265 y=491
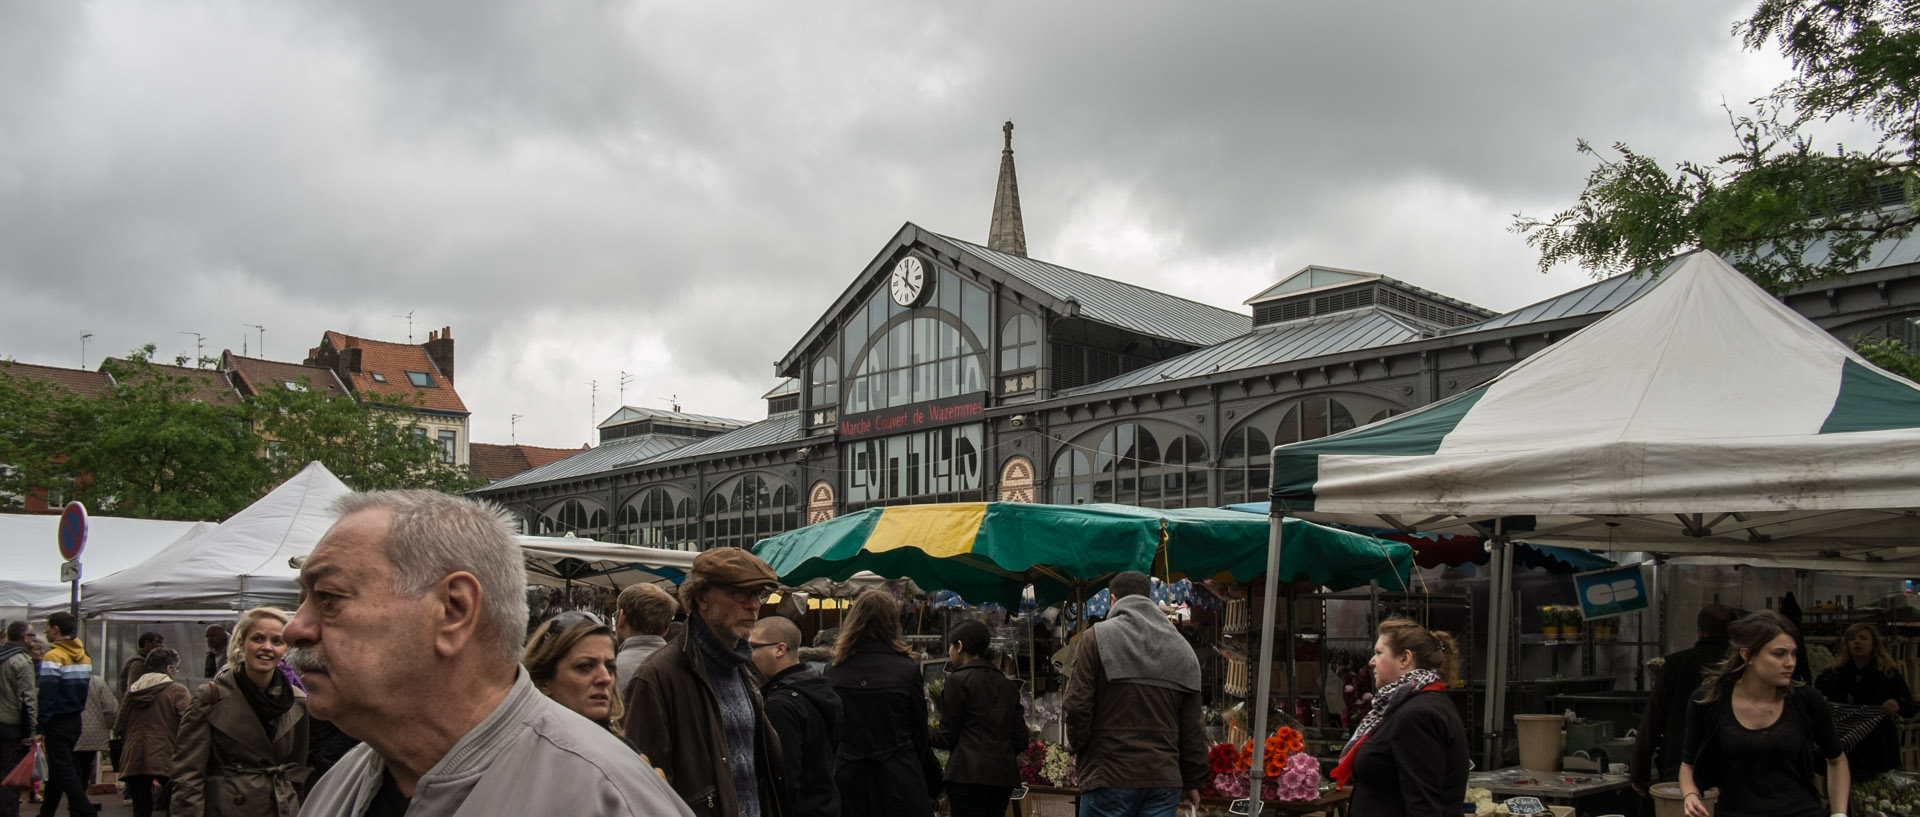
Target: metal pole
x=1263 y=688
x=1496 y=632
x=73 y=603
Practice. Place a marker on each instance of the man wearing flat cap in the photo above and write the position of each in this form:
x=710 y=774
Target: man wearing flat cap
x=693 y=709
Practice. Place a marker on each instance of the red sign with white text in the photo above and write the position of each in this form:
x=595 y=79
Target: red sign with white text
x=965 y=408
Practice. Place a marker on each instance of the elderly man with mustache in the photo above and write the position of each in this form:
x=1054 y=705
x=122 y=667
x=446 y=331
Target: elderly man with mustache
x=408 y=636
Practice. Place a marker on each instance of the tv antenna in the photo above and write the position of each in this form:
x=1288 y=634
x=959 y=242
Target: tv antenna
x=625 y=380
x=593 y=405
x=84 y=337
x=673 y=401
x=263 y=338
x=513 y=428
x=409 y=317
x=199 y=343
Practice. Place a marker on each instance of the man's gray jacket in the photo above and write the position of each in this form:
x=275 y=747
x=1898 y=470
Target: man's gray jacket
x=531 y=756
x=633 y=652
x=19 y=687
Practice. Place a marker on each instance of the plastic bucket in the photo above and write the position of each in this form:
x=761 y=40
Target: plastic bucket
x=1541 y=739
x=1669 y=802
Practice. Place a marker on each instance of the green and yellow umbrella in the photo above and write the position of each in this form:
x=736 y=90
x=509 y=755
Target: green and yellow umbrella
x=990 y=551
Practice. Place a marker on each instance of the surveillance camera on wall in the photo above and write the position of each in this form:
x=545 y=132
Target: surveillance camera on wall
x=1017 y=421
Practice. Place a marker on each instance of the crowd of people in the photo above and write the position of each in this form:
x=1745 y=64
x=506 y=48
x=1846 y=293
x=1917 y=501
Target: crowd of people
x=406 y=683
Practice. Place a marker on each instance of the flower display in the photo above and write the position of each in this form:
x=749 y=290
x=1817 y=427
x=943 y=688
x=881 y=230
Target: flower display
x=1223 y=758
x=1030 y=763
x=1232 y=784
x=1300 y=779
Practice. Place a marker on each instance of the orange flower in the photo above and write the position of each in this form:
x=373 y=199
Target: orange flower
x=1246 y=756
x=1290 y=740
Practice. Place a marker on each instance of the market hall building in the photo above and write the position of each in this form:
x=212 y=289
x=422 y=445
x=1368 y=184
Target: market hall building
x=950 y=371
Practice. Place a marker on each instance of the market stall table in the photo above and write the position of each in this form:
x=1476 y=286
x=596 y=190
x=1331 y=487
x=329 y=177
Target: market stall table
x=1568 y=788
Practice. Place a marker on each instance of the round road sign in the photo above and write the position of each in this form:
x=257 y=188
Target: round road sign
x=73 y=530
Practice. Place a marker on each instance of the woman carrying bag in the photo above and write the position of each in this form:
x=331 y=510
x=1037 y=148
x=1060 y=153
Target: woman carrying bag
x=243 y=741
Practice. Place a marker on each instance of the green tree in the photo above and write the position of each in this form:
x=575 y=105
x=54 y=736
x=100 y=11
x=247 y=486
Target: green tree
x=369 y=446
x=32 y=442
x=1778 y=196
x=1891 y=354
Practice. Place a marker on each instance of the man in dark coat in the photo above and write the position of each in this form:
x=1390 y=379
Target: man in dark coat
x=692 y=708
x=805 y=712
x=1664 y=724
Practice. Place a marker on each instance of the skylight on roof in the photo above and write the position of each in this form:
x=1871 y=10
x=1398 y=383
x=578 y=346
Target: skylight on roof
x=293 y=386
x=420 y=378
x=377 y=377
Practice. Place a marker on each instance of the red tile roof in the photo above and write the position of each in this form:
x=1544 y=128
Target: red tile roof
x=79 y=381
x=209 y=385
x=392 y=361
x=252 y=374
x=497 y=462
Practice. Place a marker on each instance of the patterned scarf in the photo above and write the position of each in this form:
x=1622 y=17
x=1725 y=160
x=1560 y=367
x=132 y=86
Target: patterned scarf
x=1384 y=701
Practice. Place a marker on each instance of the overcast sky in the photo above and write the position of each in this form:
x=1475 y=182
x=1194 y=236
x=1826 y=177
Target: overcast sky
x=678 y=190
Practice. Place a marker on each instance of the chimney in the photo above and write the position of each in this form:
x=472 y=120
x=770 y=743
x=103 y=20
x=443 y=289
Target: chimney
x=440 y=349
x=350 y=359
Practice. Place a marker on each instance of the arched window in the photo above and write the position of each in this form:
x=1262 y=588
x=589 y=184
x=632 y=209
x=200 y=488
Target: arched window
x=1245 y=465
x=1020 y=344
x=1152 y=465
x=1246 y=455
x=898 y=356
x=660 y=517
x=581 y=517
x=744 y=510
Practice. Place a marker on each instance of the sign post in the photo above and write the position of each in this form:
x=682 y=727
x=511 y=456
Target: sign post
x=73 y=540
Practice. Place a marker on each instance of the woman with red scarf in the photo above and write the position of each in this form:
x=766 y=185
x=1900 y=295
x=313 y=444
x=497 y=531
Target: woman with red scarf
x=1409 y=756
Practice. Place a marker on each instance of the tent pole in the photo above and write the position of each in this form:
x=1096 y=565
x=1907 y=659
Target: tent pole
x=1263 y=688
x=1496 y=579
x=1497 y=681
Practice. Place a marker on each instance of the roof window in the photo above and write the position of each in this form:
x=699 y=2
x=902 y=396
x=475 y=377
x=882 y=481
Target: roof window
x=292 y=386
x=420 y=379
x=377 y=377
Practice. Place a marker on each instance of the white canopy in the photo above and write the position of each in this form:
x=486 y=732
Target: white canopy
x=27 y=548
x=1703 y=417
x=241 y=564
x=553 y=561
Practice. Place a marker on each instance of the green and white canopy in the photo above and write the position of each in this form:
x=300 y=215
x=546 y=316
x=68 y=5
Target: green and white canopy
x=1703 y=417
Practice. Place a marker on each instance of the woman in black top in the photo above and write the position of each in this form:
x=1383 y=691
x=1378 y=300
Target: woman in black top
x=981 y=722
x=1865 y=675
x=1409 y=756
x=1751 y=716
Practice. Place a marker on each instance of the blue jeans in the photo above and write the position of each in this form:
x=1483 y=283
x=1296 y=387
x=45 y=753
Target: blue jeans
x=1130 y=802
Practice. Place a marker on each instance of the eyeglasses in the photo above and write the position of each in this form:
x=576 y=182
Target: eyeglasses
x=742 y=594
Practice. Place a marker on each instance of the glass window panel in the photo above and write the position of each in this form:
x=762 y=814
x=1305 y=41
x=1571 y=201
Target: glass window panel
x=877 y=312
x=1009 y=359
x=1338 y=417
x=1103 y=453
x=1234 y=484
x=974 y=311
x=899 y=345
x=1316 y=418
x=972 y=379
x=949 y=340
x=854 y=335
x=926 y=340
x=949 y=378
x=1062 y=493
x=1289 y=428
x=1102 y=490
x=1063 y=466
x=1029 y=356
x=925 y=381
x=946 y=294
x=899 y=389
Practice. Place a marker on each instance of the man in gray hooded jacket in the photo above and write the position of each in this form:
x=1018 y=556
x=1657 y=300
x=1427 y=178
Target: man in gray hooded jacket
x=408 y=636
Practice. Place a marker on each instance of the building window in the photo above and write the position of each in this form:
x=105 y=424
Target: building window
x=747 y=509
x=576 y=516
x=1246 y=456
x=941 y=465
x=377 y=377
x=448 y=451
x=1020 y=344
x=825 y=382
x=292 y=386
x=421 y=379
x=1133 y=465
x=660 y=517
x=898 y=356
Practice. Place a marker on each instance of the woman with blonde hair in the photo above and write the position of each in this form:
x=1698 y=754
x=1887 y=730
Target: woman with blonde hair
x=1409 y=755
x=1753 y=731
x=1863 y=674
x=886 y=765
x=571 y=659
x=242 y=747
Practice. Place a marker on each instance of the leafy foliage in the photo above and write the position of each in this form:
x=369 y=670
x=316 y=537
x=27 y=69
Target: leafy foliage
x=1891 y=354
x=147 y=448
x=1779 y=208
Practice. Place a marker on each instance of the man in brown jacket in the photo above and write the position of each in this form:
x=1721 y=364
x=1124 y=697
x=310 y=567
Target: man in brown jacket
x=1133 y=710
x=692 y=708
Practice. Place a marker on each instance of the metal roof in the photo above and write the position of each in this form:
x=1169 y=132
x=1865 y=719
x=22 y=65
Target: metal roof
x=1604 y=295
x=1278 y=343
x=1121 y=304
x=777 y=429
x=788 y=386
x=607 y=457
x=629 y=414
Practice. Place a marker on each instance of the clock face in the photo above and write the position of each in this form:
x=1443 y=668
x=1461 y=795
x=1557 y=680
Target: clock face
x=908 y=284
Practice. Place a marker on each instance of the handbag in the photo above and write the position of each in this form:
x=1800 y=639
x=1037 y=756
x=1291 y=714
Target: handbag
x=30 y=770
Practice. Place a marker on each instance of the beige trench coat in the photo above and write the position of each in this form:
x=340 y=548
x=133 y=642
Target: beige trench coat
x=227 y=765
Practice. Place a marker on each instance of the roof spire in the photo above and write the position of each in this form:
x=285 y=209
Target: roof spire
x=1007 y=233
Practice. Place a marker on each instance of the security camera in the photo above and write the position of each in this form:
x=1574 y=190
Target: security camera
x=1017 y=421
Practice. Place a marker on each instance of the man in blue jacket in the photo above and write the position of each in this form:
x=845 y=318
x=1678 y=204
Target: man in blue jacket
x=65 y=674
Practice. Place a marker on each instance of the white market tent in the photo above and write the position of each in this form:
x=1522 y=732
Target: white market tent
x=558 y=561
x=241 y=564
x=1703 y=419
x=27 y=548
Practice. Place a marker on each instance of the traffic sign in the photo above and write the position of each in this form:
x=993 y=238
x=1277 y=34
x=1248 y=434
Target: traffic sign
x=73 y=530
x=70 y=570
